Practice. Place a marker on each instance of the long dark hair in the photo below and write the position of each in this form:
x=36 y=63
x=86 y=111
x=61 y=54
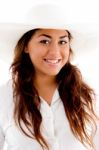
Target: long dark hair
x=77 y=97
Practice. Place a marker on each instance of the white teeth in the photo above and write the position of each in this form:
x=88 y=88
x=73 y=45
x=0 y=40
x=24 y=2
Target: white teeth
x=53 y=61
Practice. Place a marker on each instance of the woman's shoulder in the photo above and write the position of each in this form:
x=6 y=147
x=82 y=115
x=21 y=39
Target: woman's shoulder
x=6 y=89
x=6 y=95
x=6 y=104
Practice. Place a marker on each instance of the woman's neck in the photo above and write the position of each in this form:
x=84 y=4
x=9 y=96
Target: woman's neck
x=45 y=87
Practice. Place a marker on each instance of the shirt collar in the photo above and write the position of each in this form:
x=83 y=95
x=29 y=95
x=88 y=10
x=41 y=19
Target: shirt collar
x=55 y=98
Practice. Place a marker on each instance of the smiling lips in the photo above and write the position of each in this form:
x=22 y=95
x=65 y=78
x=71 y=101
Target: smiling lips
x=52 y=61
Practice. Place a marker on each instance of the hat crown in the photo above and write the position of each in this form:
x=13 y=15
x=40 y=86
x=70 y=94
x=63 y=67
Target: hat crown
x=47 y=15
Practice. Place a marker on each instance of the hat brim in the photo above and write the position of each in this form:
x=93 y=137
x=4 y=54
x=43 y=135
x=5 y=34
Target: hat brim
x=85 y=37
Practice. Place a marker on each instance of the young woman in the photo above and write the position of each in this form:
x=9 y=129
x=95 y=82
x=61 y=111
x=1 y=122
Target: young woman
x=47 y=105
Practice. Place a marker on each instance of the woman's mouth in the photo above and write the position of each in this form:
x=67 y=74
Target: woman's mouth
x=52 y=61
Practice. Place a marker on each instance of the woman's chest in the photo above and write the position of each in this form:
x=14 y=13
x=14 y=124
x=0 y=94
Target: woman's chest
x=54 y=128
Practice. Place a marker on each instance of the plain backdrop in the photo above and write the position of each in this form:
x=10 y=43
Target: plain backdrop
x=88 y=12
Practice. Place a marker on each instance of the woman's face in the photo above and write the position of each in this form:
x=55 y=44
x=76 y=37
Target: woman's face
x=49 y=51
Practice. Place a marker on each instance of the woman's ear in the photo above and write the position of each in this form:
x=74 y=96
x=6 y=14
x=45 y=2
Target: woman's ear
x=26 y=50
x=70 y=55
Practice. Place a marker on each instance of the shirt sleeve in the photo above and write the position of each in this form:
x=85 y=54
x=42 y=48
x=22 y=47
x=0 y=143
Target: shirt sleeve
x=1 y=139
x=96 y=141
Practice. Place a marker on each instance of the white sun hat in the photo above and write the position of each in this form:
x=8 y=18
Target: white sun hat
x=52 y=16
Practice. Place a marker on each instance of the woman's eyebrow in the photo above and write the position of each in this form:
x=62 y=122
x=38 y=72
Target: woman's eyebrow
x=45 y=35
x=48 y=36
x=61 y=37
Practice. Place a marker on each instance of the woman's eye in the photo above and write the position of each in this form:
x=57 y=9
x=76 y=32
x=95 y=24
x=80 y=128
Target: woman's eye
x=62 y=42
x=44 y=41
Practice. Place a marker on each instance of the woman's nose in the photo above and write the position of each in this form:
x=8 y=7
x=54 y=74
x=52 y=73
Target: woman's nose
x=54 y=49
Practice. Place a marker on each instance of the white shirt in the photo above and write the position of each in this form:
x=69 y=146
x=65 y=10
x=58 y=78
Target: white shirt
x=55 y=126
